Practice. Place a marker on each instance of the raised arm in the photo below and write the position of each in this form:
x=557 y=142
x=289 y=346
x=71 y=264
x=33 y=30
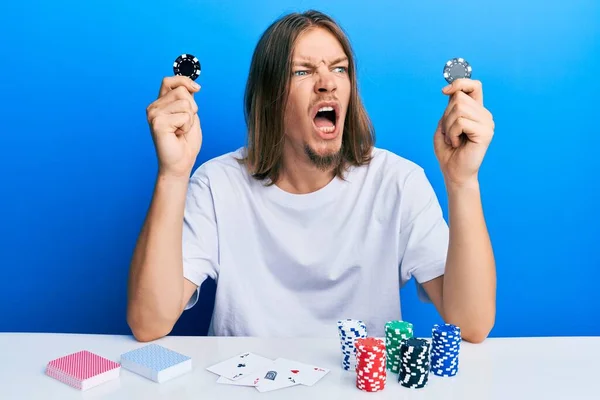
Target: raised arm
x=466 y=294
x=157 y=289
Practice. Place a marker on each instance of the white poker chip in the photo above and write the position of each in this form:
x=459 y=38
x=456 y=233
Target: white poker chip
x=457 y=68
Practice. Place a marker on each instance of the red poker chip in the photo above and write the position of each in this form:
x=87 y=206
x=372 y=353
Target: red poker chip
x=368 y=387
x=370 y=378
x=370 y=343
x=368 y=364
x=371 y=388
x=371 y=383
x=373 y=379
x=371 y=374
x=367 y=367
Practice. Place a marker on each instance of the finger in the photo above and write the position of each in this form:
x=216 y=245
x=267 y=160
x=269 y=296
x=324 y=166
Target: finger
x=179 y=93
x=470 y=128
x=184 y=105
x=181 y=105
x=460 y=110
x=187 y=126
x=172 y=82
x=461 y=98
x=471 y=87
x=177 y=123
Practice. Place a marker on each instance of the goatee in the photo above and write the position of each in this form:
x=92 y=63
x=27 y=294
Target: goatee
x=323 y=162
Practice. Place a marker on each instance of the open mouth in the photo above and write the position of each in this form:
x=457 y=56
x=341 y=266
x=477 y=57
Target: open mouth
x=326 y=119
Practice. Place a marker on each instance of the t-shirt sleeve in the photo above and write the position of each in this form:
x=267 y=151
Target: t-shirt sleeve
x=424 y=232
x=200 y=240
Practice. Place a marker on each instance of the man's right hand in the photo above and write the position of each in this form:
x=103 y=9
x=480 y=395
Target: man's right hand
x=175 y=126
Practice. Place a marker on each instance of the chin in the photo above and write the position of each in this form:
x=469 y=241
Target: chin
x=324 y=154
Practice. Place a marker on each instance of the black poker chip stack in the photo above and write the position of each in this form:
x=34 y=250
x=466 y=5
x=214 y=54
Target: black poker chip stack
x=414 y=359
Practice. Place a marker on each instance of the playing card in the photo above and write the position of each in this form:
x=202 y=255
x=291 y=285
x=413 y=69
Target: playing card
x=277 y=375
x=306 y=374
x=251 y=380
x=295 y=371
x=156 y=362
x=83 y=370
x=240 y=366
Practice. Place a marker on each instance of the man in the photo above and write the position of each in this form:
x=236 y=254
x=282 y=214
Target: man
x=310 y=223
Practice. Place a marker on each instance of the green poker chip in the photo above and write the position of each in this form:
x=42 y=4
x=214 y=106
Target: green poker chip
x=396 y=332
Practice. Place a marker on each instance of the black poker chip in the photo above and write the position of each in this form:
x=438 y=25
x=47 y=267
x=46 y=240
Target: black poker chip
x=415 y=363
x=187 y=65
x=457 y=68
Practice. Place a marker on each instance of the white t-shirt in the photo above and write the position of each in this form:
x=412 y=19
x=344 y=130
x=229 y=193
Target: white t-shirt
x=289 y=265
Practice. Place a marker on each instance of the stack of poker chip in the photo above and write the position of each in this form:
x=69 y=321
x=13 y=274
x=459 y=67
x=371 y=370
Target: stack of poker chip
x=395 y=333
x=445 y=348
x=370 y=364
x=350 y=330
x=414 y=368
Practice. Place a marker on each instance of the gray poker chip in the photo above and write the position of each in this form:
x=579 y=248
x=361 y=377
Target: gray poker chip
x=457 y=68
x=187 y=65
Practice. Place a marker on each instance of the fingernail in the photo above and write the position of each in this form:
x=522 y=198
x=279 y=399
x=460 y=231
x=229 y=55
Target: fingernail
x=446 y=88
x=195 y=85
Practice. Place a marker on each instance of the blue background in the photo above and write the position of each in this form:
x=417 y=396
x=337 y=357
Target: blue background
x=78 y=166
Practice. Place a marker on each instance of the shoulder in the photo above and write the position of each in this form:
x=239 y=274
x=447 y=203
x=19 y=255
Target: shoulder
x=225 y=167
x=389 y=167
x=402 y=182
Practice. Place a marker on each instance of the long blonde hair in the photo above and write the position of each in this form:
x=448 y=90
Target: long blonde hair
x=267 y=91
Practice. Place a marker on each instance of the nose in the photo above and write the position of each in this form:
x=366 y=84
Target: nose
x=325 y=82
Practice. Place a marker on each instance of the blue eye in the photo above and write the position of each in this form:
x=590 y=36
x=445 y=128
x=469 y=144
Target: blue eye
x=297 y=73
x=343 y=69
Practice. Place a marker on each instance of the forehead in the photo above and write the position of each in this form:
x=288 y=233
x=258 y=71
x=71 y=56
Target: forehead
x=316 y=45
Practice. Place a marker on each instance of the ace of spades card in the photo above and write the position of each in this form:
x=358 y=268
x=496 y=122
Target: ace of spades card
x=240 y=366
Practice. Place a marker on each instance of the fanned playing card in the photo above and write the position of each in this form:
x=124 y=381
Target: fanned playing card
x=279 y=374
x=156 y=362
x=239 y=366
x=306 y=374
x=83 y=370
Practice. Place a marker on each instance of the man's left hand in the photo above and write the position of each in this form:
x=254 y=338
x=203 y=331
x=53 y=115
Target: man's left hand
x=464 y=132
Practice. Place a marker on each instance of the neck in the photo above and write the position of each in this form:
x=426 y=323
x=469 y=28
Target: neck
x=300 y=176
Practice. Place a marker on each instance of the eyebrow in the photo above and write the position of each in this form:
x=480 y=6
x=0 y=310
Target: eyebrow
x=306 y=61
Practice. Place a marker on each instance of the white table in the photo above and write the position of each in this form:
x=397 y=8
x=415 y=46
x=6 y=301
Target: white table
x=521 y=368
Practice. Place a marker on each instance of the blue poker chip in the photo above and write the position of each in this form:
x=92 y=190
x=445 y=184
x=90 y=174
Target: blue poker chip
x=445 y=349
x=457 y=68
x=187 y=65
